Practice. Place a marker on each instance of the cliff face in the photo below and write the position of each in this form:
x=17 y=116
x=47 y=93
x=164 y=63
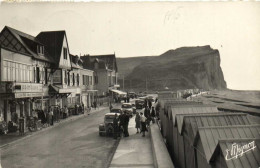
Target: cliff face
x=186 y=67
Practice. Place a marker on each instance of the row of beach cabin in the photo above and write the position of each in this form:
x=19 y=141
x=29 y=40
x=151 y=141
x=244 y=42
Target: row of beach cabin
x=200 y=136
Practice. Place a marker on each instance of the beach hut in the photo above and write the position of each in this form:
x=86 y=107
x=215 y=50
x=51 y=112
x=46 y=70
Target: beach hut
x=188 y=126
x=178 y=146
x=207 y=139
x=228 y=155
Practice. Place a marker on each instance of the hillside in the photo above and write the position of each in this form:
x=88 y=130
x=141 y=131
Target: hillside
x=186 y=67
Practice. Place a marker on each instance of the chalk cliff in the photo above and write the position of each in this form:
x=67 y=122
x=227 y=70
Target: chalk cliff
x=182 y=68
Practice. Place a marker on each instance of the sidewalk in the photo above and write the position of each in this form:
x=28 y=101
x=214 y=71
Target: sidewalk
x=11 y=138
x=133 y=151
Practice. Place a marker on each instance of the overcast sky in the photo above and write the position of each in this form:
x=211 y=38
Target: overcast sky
x=144 y=29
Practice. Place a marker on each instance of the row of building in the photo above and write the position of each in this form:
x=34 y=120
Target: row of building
x=38 y=72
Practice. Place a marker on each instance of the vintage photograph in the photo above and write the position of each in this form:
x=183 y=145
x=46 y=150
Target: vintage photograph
x=168 y=84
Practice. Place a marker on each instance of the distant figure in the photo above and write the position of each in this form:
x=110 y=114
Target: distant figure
x=143 y=124
x=95 y=105
x=153 y=114
x=51 y=116
x=150 y=104
x=110 y=107
x=137 y=122
x=125 y=121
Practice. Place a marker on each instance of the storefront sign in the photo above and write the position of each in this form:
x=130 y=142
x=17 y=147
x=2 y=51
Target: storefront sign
x=23 y=95
x=27 y=87
x=238 y=150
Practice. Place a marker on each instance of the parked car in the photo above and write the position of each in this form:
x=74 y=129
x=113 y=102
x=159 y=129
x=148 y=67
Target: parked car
x=128 y=108
x=106 y=128
x=132 y=95
x=139 y=104
x=134 y=108
x=116 y=110
x=3 y=127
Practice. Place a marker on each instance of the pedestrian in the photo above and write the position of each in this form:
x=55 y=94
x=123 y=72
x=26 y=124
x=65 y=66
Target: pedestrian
x=147 y=115
x=150 y=104
x=110 y=107
x=66 y=112
x=115 y=126
x=95 y=105
x=125 y=121
x=143 y=124
x=157 y=110
x=153 y=114
x=137 y=122
x=51 y=116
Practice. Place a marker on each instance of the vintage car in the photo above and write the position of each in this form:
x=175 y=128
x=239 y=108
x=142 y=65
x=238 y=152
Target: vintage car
x=3 y=127
x=139 y=104
x=116 y=110
x=128 y=108
x=132 y=95
x=106 y=128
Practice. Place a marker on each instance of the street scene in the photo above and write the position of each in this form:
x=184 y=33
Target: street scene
x=129 y=85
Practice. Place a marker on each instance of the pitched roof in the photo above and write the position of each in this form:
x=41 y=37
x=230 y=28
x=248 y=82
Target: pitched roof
x=109 y=60
x=210 y=136
x=76 y=62
x=249 y=159
x=53 y=40
x=24 y=39
x=193 y=121
x=190 y=109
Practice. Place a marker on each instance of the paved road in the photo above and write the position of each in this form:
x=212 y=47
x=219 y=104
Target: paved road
x=72 y=144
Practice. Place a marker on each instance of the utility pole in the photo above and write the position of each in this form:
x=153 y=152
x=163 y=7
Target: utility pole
x=130 y=84
x=146 y=84
x=123 y=82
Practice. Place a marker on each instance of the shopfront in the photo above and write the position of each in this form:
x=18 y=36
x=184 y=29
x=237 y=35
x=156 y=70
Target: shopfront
x=18 y=98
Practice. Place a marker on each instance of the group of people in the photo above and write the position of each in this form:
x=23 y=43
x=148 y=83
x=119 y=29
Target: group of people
x=142 y=121
x=120 y=125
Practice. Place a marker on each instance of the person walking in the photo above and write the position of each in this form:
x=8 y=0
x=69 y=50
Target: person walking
x=150 y=104
x=126 y=118
x=51 y=116
x=137 y=122
x=143 y=124
x=147 y=115
x=153 y=115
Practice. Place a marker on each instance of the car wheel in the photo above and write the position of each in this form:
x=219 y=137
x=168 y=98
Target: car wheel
x=100 y=134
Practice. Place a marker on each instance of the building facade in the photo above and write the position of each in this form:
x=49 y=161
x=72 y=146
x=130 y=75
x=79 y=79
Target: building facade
x=106 y=73
x=25 y=73
x=39 y=72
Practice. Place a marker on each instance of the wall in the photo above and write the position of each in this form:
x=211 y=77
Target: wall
x=65 y=63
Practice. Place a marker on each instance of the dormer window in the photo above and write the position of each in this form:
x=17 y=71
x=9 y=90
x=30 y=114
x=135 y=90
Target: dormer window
x=40 y=49
x=65 y=53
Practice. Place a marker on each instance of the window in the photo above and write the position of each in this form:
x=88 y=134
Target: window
x=73 y=79
x=65 y=53
x=68 y=79
x=78 y=79
x=65 y=77
x=83 y=79
x=57 y=76
x=90 y=80
x=46 y=76
x=40 y=49
x=37 y=75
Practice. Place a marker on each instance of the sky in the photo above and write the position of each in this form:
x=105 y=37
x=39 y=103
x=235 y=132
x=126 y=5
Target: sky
x=150 y=29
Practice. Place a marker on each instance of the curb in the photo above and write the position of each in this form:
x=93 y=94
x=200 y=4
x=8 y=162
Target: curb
x=51 y=127
x=161 y=156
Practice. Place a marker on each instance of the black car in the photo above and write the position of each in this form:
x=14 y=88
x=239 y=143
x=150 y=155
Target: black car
x=116 y=110
x=139 y=104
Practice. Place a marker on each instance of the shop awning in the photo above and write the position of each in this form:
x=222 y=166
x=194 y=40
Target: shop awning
x=62 y=90
x=118 y=91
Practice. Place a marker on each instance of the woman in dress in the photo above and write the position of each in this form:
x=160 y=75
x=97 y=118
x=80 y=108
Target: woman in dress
x=137 y=122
